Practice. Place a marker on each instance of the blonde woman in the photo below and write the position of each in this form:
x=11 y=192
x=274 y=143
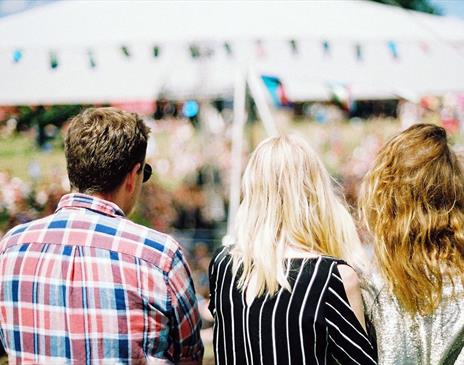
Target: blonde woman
x=278 y=294
x=413 y=203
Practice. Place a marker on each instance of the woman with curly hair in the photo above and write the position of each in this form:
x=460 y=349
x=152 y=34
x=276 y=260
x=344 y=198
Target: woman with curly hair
x=412 y=201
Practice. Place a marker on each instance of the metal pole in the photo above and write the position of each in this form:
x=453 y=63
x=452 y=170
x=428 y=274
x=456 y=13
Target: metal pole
x=237 y=146
x=259 y=96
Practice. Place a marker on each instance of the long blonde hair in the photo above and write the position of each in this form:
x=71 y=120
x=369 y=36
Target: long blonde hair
x=412 y=200
x=287 y=200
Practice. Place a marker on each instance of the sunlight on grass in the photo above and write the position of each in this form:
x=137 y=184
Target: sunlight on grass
x=17 y=153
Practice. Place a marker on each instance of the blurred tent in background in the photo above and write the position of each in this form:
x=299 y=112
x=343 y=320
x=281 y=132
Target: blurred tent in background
x=90 y=52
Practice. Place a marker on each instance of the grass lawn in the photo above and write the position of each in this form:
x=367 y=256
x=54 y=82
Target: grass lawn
x=18 y=152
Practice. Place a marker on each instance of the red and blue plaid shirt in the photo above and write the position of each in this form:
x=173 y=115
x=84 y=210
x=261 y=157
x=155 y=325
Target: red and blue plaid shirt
x=88 y=286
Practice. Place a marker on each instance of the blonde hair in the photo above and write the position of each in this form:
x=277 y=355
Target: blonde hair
x=412 y=200
x=287 y=200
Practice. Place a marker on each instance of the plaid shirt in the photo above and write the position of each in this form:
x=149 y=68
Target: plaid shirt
x=87 y=286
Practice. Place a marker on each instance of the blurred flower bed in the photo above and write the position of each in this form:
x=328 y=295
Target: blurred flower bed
x=188 y=194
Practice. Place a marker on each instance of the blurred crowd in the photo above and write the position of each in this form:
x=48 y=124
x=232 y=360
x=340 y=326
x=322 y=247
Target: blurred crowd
x=188 y=194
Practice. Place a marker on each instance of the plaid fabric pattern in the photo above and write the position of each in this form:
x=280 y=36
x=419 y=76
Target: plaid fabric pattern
x=88 y=286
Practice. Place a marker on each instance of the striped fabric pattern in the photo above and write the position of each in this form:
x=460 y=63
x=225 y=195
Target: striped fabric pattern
x=314 y=324
x=87 y=286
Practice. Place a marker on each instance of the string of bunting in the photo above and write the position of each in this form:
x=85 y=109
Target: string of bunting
x=198 y=51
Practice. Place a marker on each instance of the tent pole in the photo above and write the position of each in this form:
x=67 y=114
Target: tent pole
x=258 y=94
x=237 y=146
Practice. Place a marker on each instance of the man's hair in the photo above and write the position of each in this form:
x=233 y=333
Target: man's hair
x=102 y=145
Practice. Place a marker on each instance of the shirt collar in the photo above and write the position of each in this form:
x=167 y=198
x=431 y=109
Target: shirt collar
x=78 y=200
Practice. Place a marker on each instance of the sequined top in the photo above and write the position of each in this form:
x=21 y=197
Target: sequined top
x=404 y=339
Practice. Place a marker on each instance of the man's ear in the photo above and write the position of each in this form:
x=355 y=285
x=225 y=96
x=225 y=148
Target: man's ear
x=131 y=178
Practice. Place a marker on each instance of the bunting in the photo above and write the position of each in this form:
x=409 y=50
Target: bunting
x=200 y=50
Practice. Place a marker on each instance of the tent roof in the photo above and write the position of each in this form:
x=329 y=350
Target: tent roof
x=73 y=28
x=66 y=23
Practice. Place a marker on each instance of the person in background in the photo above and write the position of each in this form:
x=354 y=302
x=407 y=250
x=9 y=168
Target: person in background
x=86 y=285
x=279 y=292
x=412 y=201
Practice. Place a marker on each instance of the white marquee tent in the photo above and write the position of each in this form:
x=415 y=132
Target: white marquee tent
x=372 y=50
x=105 y=51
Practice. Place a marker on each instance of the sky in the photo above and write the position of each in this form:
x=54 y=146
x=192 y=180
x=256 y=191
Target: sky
x=12 y=6
x=449 y=7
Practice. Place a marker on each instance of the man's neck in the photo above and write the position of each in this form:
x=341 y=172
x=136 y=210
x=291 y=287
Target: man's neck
x=113 y=197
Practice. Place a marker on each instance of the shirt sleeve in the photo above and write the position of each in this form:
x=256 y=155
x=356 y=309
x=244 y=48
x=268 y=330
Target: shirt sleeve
x=348 y=341
x=369 y=296
x=218 y=255
x=212 y=287
x=186 y=346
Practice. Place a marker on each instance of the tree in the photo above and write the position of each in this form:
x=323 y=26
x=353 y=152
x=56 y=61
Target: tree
x=419 y=5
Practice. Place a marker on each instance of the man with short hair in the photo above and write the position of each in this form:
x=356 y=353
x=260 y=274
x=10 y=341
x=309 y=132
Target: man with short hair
x=86 y=285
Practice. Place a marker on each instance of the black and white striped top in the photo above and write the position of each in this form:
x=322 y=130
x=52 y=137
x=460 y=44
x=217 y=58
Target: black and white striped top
x=314 y=324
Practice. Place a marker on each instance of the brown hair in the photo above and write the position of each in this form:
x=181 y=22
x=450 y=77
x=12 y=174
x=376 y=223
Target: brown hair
x=412 y=200
x=102 y=145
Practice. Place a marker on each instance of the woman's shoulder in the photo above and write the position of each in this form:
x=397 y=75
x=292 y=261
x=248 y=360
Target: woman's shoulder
x=219 y=256
x=341 y=273
x=221 y=252
x=292 y=253
x=332 y=270
x=371 y=280
x=337 y=267
x=334 y=264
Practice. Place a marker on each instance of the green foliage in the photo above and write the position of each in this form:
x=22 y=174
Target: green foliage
x=419 y=5
x=40 y=116
x=4 y=217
